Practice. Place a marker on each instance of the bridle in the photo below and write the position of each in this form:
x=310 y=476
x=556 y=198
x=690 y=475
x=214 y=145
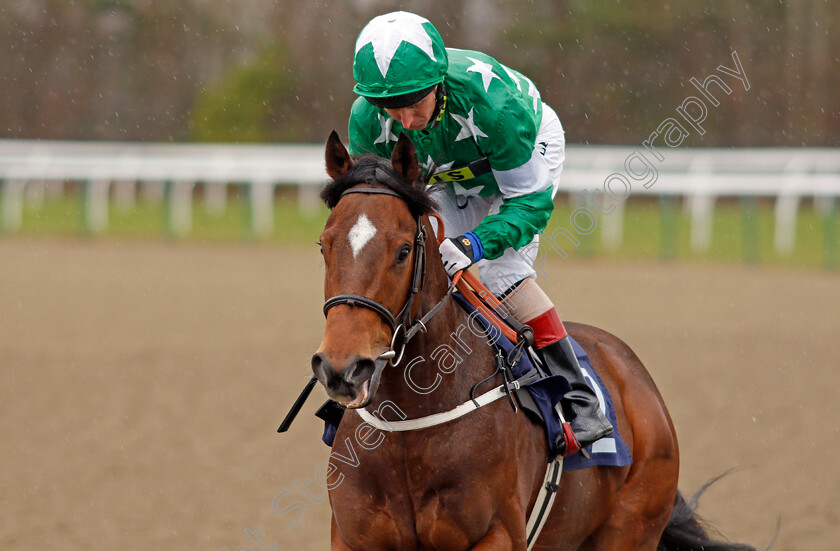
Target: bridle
x=403 y=327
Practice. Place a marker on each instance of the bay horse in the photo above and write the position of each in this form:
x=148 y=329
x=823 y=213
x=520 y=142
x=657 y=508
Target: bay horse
x=468 y=484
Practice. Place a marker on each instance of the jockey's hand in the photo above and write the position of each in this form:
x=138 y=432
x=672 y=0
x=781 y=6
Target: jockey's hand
x=459 y=253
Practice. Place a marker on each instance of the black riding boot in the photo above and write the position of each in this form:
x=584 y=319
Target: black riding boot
x=587 y=420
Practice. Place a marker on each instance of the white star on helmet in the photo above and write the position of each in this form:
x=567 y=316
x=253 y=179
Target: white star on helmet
x=388 y=31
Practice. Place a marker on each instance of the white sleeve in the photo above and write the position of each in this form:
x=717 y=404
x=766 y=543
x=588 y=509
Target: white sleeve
x=531 y=177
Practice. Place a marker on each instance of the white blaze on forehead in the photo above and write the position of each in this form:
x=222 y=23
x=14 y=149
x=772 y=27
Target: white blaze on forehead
x=361 y=232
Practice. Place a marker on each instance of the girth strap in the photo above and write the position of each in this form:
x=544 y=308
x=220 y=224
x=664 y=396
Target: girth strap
x=545 y=500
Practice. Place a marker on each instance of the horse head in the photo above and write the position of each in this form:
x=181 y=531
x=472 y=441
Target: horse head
x=374 y=250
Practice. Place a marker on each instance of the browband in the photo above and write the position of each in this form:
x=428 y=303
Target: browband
x=383 y=191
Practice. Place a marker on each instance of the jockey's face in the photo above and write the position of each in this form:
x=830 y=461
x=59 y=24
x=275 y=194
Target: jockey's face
x=417 y=116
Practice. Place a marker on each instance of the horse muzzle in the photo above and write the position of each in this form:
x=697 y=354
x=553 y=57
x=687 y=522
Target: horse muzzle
x=353 y=386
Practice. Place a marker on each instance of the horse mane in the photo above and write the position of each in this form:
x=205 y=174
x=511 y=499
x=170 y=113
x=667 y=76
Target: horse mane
x=377 y=171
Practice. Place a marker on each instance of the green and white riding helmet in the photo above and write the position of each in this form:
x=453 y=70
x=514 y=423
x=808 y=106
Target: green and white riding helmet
x=399 y=59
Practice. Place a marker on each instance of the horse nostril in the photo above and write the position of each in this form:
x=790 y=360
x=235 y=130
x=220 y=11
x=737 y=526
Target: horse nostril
x=360 y=371
x=321 y=368
x=346 y=381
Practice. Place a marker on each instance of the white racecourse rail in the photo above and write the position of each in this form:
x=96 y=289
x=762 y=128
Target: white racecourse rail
x=699 y=174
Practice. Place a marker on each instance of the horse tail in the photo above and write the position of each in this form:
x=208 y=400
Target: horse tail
x=686 y=531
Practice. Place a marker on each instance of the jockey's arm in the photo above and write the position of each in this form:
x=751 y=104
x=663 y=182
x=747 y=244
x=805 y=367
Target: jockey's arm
x=519 y=219
x=522 y=214
x=524 y=181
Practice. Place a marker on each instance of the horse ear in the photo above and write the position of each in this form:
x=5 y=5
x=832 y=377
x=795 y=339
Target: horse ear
x=338 y=160
x=404 y=158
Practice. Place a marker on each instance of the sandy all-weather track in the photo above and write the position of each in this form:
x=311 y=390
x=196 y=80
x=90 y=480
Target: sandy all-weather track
x=141 y=385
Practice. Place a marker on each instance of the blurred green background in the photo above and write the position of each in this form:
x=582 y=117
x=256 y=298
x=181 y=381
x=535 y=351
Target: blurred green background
x=281 y=71
x=653 y=229
x=265 y=70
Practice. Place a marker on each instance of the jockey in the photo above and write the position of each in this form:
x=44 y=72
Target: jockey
x=497 y=150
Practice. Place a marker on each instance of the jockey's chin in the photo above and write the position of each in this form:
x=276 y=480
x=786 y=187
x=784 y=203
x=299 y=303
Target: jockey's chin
x=419 y=125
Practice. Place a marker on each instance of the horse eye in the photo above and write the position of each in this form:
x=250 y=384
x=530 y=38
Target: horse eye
x=320 y=245
x=403 y=254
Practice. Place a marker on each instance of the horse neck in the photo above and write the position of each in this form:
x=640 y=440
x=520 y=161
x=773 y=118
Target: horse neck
x=441 y=365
